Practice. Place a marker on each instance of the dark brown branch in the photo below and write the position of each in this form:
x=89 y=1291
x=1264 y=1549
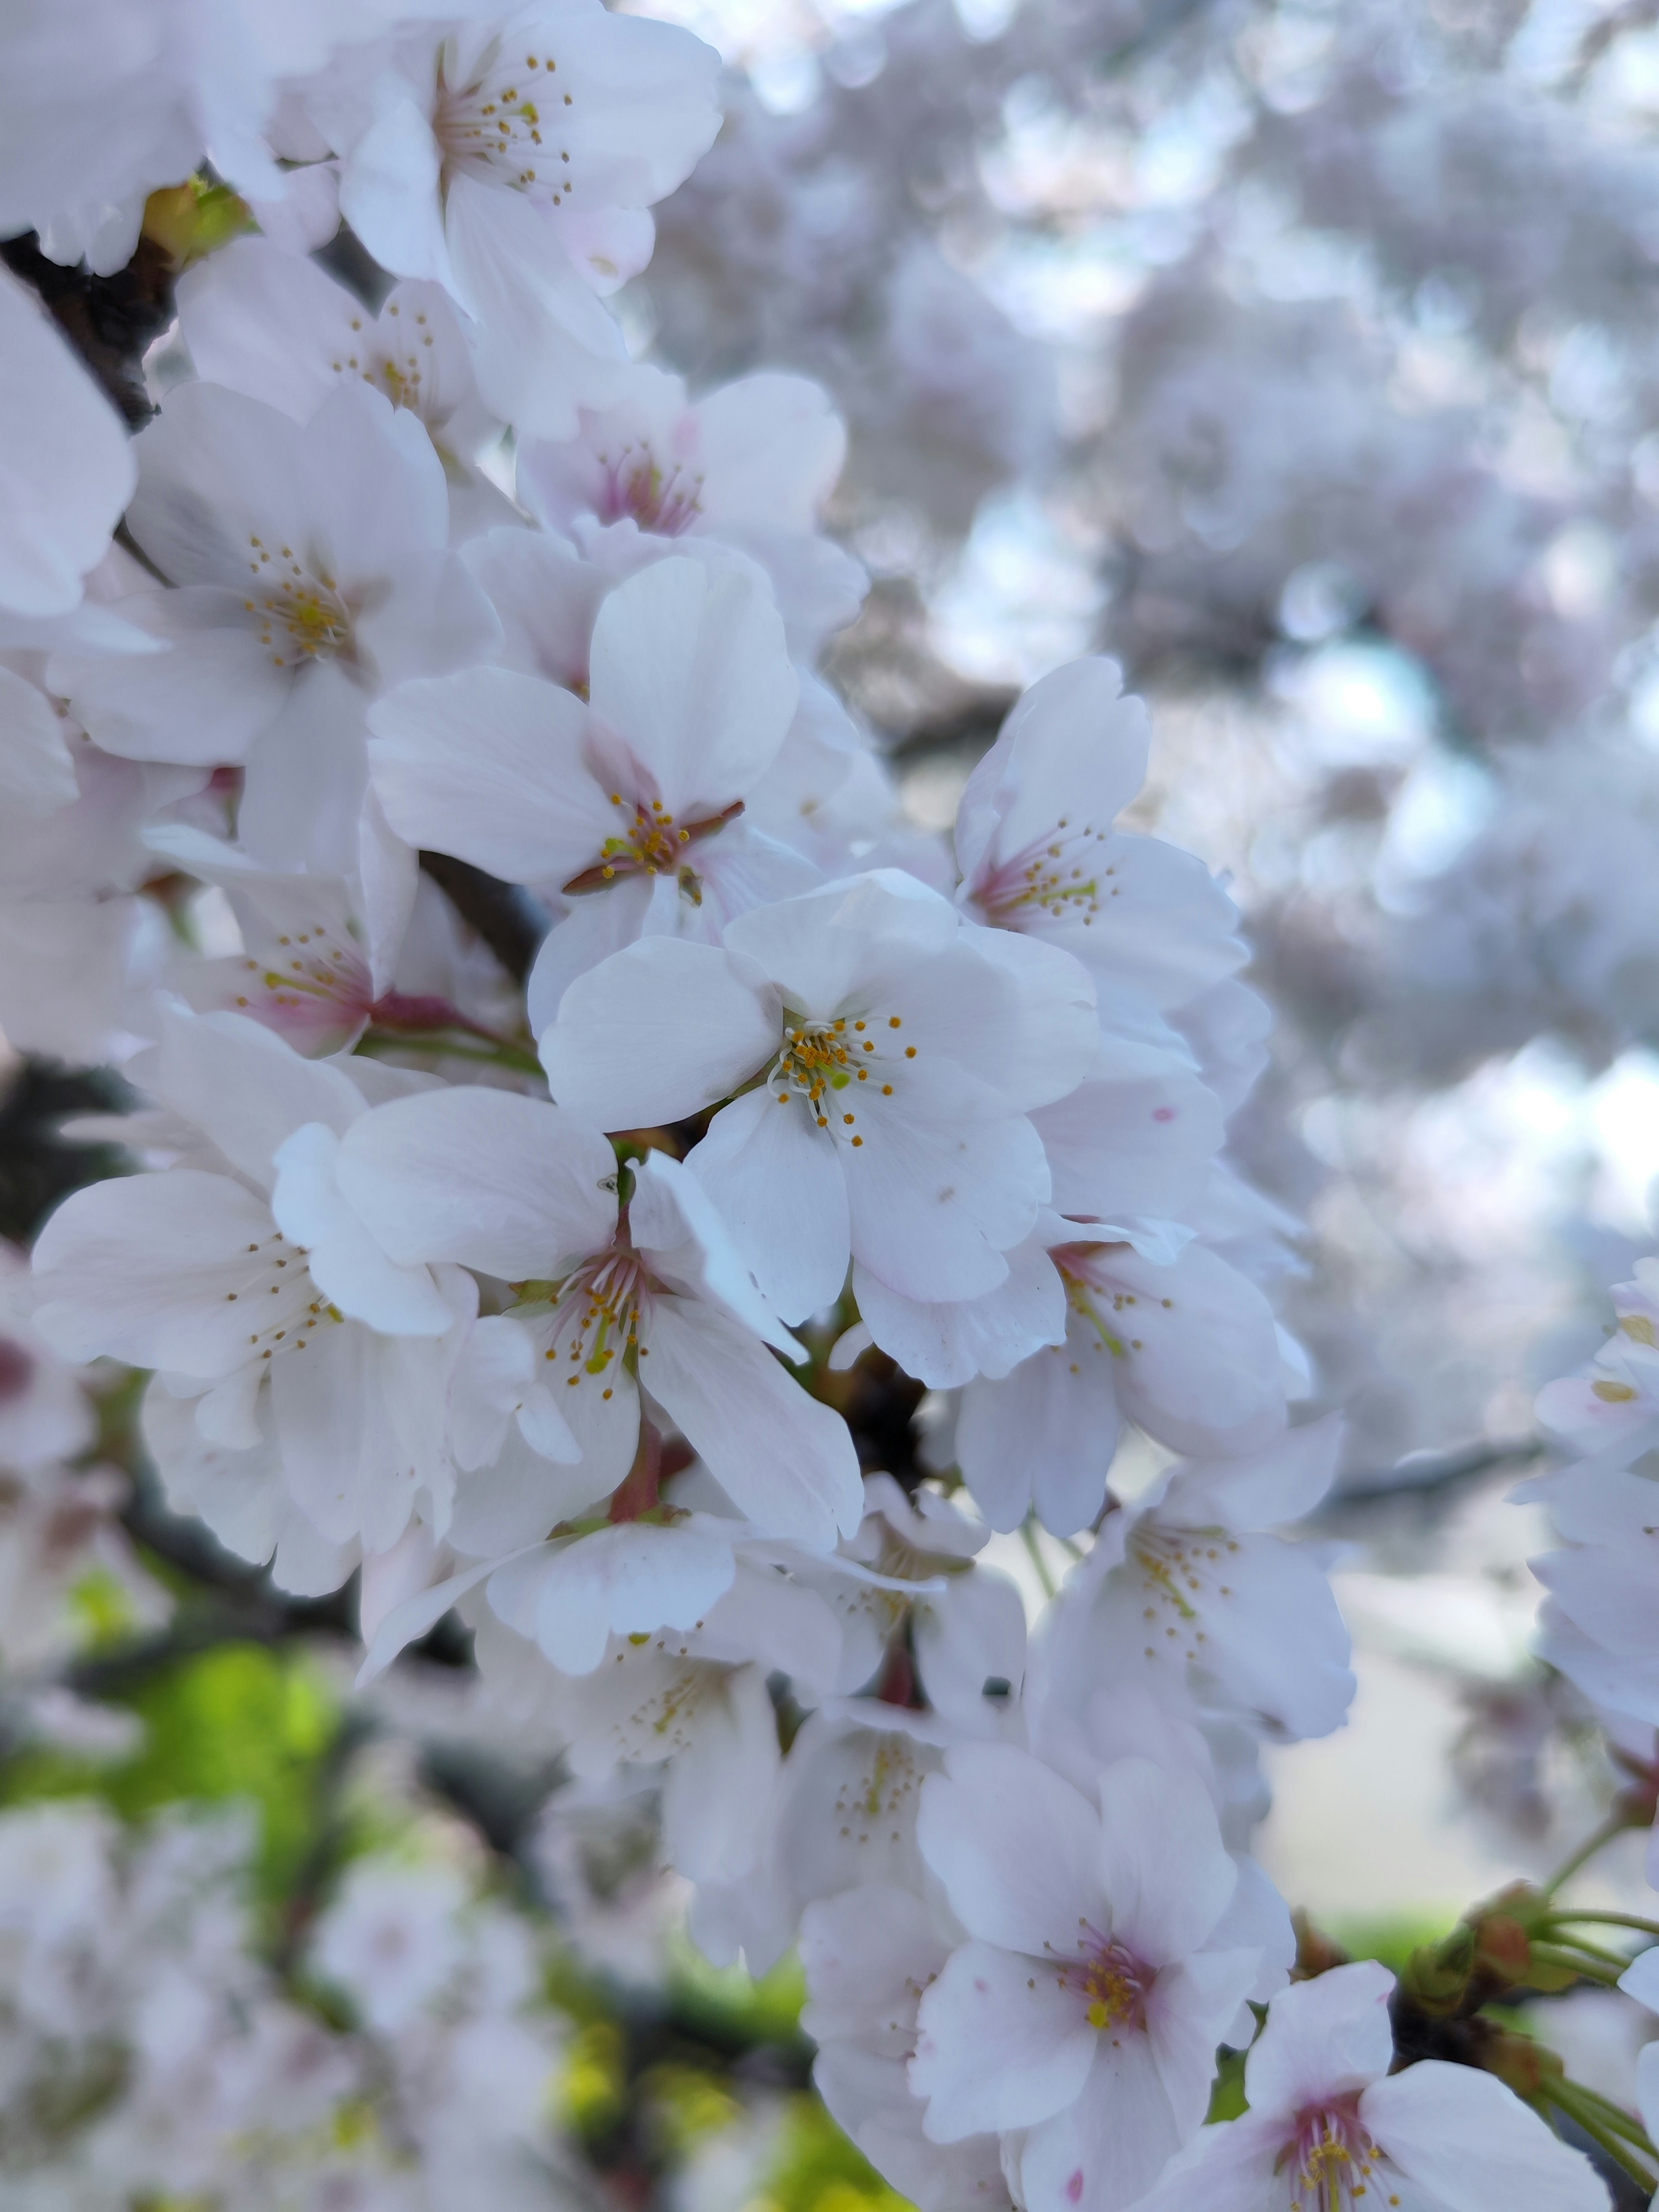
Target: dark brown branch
x=109 y=320
x=507 y=919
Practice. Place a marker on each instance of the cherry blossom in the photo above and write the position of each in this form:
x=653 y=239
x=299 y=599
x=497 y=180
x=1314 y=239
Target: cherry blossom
x=1083 y=2011
x=839 y=1001
x=1330 y=2124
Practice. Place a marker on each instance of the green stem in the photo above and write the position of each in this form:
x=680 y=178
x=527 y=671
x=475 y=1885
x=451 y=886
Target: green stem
x=1557 y=1954
x=496 y=1055
x=1028 y=1532
x=1577 y=2103
x=1614 y=1825
x=1630 y=1920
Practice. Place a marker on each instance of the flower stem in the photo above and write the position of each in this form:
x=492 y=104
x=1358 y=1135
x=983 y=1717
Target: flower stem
x=1029 y=1535
x=1614 y=1825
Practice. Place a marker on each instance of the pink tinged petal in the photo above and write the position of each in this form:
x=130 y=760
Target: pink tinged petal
x=389 y=195
x=412 y=1616
x=1232 y=2168
x=1276 y=1639
x=1017 y=1849
x=866 y=1953
x=649 y=108
x=656 y=1033
x=1280 y=1482
x=517 y=1499
x=999 y=2044
x=508 y=1185
x=306 y=778
x=775 y=1181
x=689 y=668
x=266 y=322
x=771 y=448
x=716 y=1791
x=207 y=698
x=150 y=1268
x=861 y=937
x=945 y=1183
x=217 y=470
x=347 y=1263
x=432 y=619
x=673 y=1219
x=1470 y=2145
x=1326 y=2038
x=490 y=765
x=628 y=1580
x=66 y=468
x=596 y=927
x=948 y=1342
x=37 y=775
x=1131 y=1144
x=240 y=1494
x=1166 y=928
x=1191 y=2008
x=785 y=1460
x=1045 y=1036
x=1074 y=746
x=1046 y=1434
x=1202 y=1372
x=1161 y=1860
x=1110 y=2145
x=974 y=1632
x=245 y=1088
x=545 y=596
x=545 y=347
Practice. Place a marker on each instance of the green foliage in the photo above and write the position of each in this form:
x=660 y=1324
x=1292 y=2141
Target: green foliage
x=724 y=2004
x=818 y=2169
x=1394 y=1939
x=239 y=1721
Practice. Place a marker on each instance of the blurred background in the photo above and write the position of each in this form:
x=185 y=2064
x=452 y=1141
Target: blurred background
x=1306 y=358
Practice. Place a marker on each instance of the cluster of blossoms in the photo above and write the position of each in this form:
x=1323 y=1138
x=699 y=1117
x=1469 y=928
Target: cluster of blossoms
x=148 y=2055
x=532 y=985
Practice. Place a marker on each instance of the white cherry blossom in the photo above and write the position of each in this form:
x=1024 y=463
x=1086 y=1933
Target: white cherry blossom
x=893 y=1052
x=1039 y=853
x=750 y=465
x=279 y=1327
x=636 y=1304
x=1329 y=2125
x=626 y=803
x=311 y=569
x=1082 y=2013
x=512 y=162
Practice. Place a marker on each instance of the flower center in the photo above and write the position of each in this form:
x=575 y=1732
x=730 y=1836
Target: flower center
x=1112 y=1983
x=391 y=359
x=1330 y=2159
x=299 y=616
x=650 y=843
x=1059 y=877
x=283 y=1306
x=310 y=976
x=503 y=124
x=821 y=1058
x=598 y=1317
x=665 y=502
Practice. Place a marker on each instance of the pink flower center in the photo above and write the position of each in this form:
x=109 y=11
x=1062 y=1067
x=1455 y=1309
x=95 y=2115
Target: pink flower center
x=1058 y=879
x=650 y=842
x=598 y=1321
x=636 y=487
x=1111 y=1982
x=503 y=124
x=1330 y=2159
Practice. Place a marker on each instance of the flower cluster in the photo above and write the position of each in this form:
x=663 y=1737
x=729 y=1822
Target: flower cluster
x=599 y=1167
x=148 y=2053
